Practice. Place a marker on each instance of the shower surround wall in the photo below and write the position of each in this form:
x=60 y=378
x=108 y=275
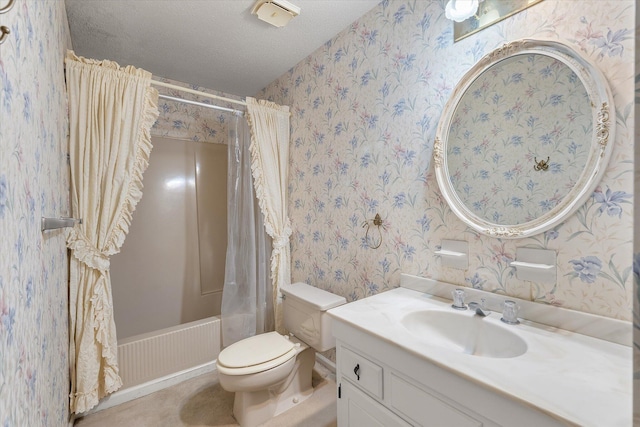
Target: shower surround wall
x=365 y=108
x=174 y=255
x=34 y=182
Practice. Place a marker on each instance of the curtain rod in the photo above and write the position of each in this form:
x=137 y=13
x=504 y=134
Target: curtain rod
x=201 y=104
x=196 y=92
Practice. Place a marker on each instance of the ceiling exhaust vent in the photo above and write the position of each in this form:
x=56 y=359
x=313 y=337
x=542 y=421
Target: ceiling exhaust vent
x=275 y=12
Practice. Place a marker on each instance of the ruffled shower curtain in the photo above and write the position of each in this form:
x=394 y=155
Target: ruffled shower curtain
x=111 y=110
x=246 y=297
x=269 y=124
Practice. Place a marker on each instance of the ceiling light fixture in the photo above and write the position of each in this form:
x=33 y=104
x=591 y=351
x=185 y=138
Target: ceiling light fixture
x=276 y=12
x=460 y=10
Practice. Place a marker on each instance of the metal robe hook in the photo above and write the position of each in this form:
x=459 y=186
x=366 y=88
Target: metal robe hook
x=541 y=165
x=377 y=221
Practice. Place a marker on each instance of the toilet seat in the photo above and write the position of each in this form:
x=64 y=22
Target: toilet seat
x=256 y=354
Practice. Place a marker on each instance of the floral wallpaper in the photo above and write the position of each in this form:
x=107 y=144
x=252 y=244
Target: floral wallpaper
x=183 y=121
x=545 y=106
x=34 y=182
x=636 y=245
x=365 y=107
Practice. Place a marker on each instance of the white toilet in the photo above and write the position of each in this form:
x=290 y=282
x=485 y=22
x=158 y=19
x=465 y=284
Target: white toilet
x=271 y=373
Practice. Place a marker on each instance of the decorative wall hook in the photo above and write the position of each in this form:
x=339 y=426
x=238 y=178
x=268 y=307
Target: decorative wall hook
x=376 y=221
x=541 y=165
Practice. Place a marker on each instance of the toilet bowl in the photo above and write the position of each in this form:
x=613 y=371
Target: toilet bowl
x=271 y=373
x=256 y=363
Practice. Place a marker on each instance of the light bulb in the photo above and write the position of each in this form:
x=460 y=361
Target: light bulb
x=459 y=10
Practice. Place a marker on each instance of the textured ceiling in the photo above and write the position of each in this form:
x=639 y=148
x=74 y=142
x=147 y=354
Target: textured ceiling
x=216 y=44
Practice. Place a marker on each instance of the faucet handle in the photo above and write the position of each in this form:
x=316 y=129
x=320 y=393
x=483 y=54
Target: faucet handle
x=458 y=299
x=510 y=312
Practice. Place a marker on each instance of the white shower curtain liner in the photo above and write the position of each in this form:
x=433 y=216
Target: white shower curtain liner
x=247 y=307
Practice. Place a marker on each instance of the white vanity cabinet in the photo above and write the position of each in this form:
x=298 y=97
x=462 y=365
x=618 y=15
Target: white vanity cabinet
x=405 y=357
x=380 y=384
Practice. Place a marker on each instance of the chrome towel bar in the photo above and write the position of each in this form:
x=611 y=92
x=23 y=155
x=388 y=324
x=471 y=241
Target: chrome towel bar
x=53 y=223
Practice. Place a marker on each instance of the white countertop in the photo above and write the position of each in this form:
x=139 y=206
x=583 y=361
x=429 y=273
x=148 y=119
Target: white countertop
x=578 y=378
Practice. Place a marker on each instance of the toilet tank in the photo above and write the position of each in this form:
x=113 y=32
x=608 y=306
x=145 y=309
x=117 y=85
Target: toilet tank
x=304 y=312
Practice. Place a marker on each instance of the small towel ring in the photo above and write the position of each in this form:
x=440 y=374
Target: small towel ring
x=377 y=221
x=8 y=7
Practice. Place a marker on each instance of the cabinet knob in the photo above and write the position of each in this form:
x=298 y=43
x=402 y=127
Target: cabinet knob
x=356 y=371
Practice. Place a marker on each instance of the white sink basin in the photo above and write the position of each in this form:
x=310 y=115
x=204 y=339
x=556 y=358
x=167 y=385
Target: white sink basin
x=464 y=333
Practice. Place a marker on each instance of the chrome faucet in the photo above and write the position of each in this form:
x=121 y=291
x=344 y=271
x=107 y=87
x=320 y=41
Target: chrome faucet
x=479 y=308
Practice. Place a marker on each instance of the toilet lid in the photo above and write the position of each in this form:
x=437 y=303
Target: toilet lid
x=255 y=350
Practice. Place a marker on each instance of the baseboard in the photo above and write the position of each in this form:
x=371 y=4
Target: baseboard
x=128 y=394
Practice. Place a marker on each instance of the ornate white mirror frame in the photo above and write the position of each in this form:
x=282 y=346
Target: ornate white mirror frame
x=600 y=130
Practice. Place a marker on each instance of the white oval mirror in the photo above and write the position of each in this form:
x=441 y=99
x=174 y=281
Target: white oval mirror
x=524 y=139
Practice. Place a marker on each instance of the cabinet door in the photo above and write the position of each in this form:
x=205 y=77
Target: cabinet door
x=356 y=409
x=422 y=408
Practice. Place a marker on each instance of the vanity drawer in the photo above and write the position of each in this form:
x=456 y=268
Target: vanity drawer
x=361 y=371
x=424 y=409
